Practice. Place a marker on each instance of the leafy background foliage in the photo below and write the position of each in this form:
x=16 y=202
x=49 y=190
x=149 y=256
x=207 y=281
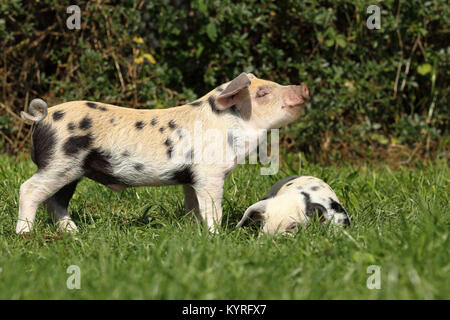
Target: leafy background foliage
x=376 y=94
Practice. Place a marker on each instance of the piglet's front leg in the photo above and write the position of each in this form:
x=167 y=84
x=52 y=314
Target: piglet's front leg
x=209 y=194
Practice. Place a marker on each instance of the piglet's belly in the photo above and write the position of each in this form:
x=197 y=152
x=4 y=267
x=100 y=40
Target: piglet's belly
x=116 y=187
x=118 y=173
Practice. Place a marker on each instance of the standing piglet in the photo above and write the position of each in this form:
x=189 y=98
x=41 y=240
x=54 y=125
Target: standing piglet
x=294 y=201
x=122 y=147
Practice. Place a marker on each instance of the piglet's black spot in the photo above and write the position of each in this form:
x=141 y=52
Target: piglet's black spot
x=196 y=103
x=169 y=152
x=183 y=176
x=168 y=142
x=235 y=111
x=172 y=124
x=112 y=120
x=76 y=144
x=307 y=197
x=162 y=129
x=97 y=166
x=92 y=105
x=311 y=207
x=180 y=133
x=71 y=126
x=154 y=122
x=125 y=153
x=315 y=188
x=212 y=104
x=139 y=166
x=85 y=123
x=139 y=125
x=103 y=109
x=58 y=115
x=277 y=186
x=44 y=139
x=336 y=206
x=289 y=184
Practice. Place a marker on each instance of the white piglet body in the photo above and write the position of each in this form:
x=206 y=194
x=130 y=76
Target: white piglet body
x=122 y=147
x=294 y=201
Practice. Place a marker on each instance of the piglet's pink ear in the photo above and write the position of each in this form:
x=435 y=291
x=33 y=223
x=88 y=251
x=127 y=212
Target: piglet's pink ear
x=228 y=97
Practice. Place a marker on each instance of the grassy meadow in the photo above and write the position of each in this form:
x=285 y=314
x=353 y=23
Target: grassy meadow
x=141 y=244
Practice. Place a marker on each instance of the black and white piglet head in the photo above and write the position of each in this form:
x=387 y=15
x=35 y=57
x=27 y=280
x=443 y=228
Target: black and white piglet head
x=294 y=201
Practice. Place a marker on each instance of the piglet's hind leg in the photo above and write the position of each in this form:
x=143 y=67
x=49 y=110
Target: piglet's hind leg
x=57 y=207
x=41 y=186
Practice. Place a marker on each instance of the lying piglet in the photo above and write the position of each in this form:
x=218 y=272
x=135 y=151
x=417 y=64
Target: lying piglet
x=122 y=147
x=294 y=201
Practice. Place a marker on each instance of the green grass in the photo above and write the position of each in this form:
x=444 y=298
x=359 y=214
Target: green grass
x=141 y=244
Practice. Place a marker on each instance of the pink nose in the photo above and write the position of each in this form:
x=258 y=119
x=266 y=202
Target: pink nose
x=296 y=95
x=304 y=91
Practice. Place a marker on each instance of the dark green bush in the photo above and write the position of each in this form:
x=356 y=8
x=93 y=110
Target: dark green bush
x=371 y=90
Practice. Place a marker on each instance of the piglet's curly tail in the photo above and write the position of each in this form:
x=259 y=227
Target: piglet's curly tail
x=35 y=115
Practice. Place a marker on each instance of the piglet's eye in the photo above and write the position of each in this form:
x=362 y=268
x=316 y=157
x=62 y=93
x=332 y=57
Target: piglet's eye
x=293 y=227
x=262 y=93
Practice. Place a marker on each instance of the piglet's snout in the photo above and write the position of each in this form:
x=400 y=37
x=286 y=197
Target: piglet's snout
x=304 y=92
x=296 y=95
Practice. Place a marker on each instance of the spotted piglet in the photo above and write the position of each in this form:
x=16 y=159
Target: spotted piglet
x=294 y=201
x=121 y=147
